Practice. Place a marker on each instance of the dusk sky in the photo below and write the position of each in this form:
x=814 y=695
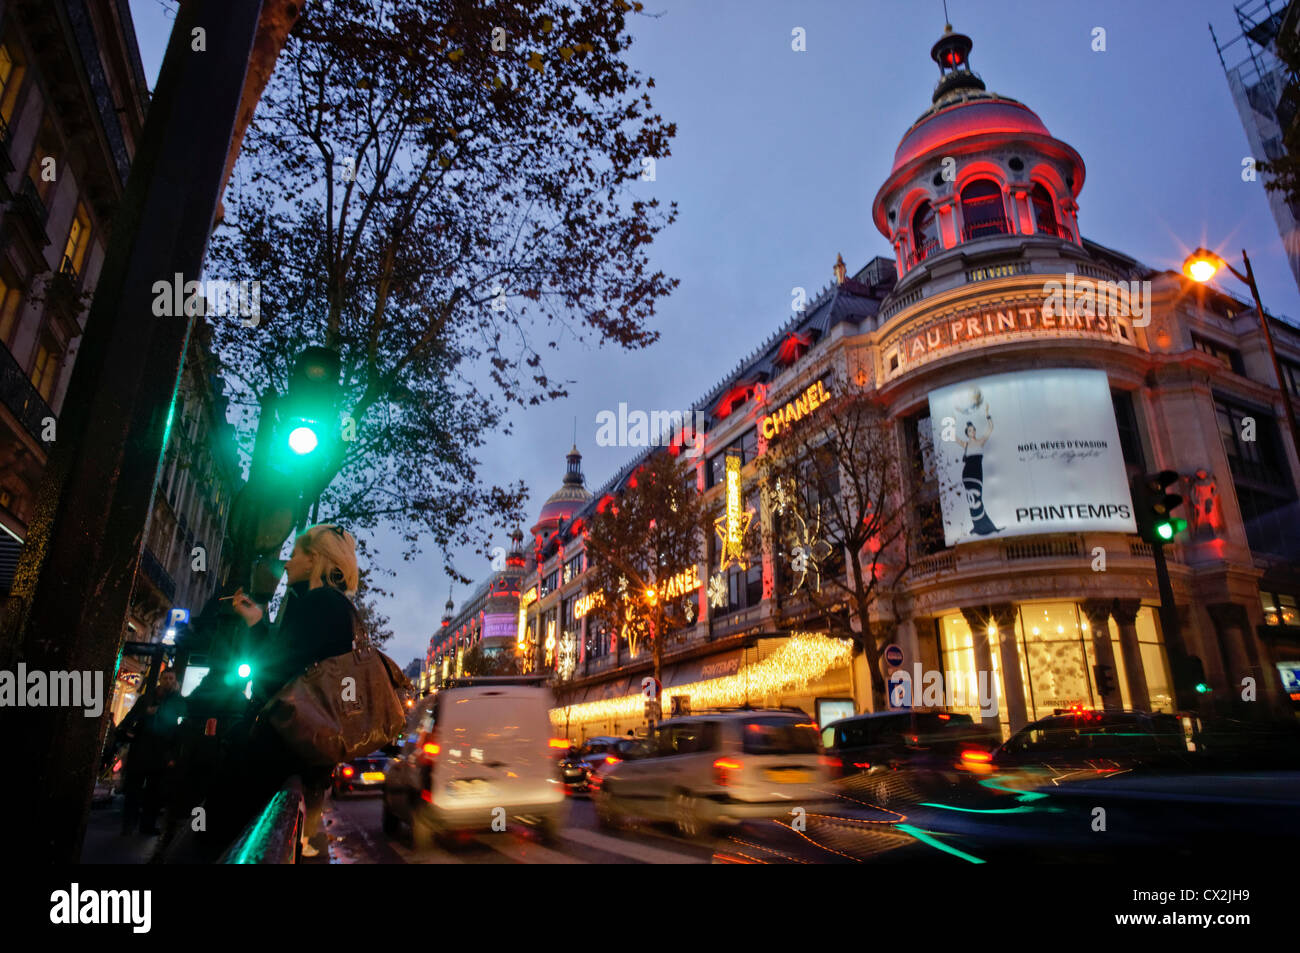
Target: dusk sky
x=778 y=157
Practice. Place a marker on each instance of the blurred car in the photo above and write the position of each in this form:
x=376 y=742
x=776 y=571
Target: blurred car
x=714 y=768
x=576 y=772
x=482 y=746
x=1084 y=740
x=596 y=749
x=890 y=739
x=360 y=774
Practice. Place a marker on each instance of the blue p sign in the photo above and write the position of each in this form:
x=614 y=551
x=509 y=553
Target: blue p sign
x=179 y=617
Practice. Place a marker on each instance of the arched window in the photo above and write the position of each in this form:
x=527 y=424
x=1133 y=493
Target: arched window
x=925 y=236
x=1045 y=212
x=982 y=210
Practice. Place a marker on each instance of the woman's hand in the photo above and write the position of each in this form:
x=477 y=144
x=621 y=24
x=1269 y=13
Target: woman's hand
x=248 y=610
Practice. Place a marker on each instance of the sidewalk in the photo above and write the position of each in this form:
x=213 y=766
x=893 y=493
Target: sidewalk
x=105 y=843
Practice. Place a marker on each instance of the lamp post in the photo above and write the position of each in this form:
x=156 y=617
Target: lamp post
x=1202 y=265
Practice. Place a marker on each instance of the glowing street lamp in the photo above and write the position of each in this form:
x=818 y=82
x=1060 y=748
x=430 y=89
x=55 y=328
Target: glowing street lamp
x=1202 y=265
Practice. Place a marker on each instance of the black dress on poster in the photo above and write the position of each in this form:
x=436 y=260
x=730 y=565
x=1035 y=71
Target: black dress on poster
x=972 y=476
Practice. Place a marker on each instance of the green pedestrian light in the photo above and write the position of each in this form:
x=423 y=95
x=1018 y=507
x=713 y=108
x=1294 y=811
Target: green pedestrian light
x=303 y=440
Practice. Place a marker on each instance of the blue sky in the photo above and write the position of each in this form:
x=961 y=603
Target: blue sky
x=779 y=155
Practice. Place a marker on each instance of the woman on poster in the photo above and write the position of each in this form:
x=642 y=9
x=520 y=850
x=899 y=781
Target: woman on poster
x=972 y=475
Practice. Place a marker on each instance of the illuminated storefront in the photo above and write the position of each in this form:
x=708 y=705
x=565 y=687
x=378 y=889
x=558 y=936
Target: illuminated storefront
x=1033 y=374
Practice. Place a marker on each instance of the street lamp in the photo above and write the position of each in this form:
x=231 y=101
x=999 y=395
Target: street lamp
x=1202 y=265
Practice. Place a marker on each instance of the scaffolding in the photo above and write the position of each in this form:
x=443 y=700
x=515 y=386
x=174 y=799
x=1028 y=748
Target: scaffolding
x=1259 y=81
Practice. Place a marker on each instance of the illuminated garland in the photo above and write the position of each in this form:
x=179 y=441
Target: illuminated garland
x=805 y=657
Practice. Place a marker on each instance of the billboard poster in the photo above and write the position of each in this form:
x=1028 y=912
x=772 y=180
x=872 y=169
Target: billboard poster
x=500 y=625
x=1029 y=452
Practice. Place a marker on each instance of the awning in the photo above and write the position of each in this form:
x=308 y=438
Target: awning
x=703 y=669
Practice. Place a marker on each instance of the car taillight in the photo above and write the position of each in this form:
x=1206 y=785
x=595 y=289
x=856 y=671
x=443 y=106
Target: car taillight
x=431 y=749
x=348 y=771
x=610 y=759
x=976 y=756
x=862 y=764
x=721 y=767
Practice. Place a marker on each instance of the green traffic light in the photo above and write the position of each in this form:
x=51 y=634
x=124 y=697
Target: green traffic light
x=1202 y=688
x=302 y=440
x=1165 y=530
x=245 y=670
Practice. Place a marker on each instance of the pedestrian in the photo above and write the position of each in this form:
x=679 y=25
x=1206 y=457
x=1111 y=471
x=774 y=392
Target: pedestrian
x=150 y=729
x=315 y=622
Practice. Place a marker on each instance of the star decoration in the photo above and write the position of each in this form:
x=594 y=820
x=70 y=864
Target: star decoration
x=688 y=610
x=718 y=591
x=732 y=548
x=807 y=551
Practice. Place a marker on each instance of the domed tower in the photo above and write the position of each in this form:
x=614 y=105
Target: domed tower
x=564 y=502
x=975 y=171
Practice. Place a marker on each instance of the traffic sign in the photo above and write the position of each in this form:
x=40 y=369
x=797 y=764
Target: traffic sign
x=893 y=655
x=650 y=687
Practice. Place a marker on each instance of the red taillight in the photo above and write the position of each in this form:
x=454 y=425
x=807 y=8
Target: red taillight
x=720 y=769
x=978 y=757
x=944 y=717
x=427 y=796
x=348 y=771
x=610 y=759
x=862 y=764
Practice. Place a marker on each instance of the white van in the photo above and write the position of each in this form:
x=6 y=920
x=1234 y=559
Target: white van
x=478 y=752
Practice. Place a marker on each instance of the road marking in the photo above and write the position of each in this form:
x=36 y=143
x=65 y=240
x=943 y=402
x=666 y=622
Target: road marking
x=615 y=845
x=524 y=851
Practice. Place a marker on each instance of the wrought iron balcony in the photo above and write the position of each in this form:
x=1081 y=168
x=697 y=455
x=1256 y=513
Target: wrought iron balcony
x=155 y=573
x=21 y=396
x=986 y=227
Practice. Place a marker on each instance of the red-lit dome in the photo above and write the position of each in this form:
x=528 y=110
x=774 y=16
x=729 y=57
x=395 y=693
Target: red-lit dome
x=568 y=499
x=970 y=116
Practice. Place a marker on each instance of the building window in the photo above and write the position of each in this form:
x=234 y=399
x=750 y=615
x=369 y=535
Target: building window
x=1228 y=356
x=549 y=582
x=74 y=252
x=573 y=568
x=1265 y=492
x=746 y=445
x=11 y=80
x=45 y=369
x=11 y=297
x=1044 y=211
x=925 y=236
x=982 y=210
x=1279 y=608
x=1130 y=441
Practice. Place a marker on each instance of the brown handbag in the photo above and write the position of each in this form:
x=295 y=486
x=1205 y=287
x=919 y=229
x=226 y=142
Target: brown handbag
x=325 y=720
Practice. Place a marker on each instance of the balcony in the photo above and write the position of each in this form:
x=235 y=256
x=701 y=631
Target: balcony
x=923 y=251
x=997 y=225
x=20 y=396
x=1055 y=231
x=154 y=572
x=6 y=162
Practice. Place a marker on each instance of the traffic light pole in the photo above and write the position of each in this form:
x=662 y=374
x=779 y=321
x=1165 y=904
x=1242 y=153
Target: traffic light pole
x=74 y=581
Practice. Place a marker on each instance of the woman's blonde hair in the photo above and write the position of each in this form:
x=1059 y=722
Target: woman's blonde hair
x=333 y=552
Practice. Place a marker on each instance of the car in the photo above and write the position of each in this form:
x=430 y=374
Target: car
x=360 y=774
x=890 y=739
x=596 y=749
x=483 y=754
x=1086 y=740
x=576 y=772
x=714 y=768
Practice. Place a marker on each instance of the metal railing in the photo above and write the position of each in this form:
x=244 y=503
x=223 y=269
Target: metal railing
x=273 y=837
x=986 y=227
x=923 y=251
x=21 y=396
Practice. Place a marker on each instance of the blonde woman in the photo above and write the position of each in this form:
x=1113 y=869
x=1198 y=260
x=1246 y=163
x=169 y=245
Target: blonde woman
x=316 y=622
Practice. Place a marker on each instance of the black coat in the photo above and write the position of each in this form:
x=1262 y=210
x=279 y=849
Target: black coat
x=313 y=624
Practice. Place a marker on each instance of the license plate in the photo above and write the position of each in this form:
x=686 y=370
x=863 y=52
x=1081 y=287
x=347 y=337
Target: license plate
x=372 y=777
x=474 y=786
x=788 y=775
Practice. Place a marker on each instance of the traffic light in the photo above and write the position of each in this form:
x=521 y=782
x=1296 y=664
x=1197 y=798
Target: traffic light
x=1153 y=506
x=309 y=414
x=1104 y=675
x=1189 y=678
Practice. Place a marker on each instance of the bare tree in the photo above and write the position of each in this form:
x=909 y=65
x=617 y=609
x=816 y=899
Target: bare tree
x=441 y=190
x=841 y=495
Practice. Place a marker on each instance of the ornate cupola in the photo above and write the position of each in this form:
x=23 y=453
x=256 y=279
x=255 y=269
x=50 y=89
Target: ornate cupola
x=567 y=500
x=952 y=53
x=975 y=169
